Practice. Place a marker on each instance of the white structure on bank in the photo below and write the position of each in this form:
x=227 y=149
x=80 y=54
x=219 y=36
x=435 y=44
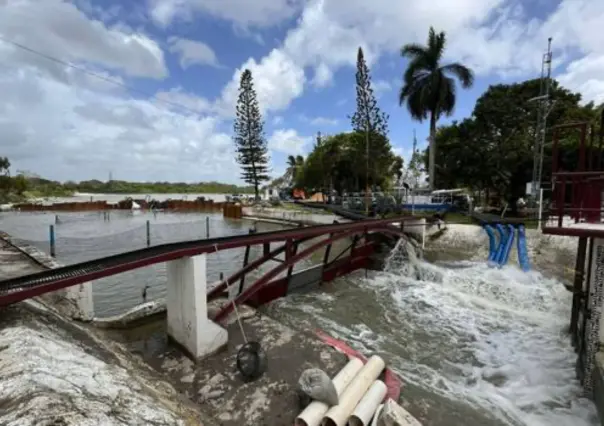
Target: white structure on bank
x=81 y=296
x=186 y=299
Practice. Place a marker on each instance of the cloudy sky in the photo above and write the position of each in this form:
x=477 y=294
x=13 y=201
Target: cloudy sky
x=157 y=100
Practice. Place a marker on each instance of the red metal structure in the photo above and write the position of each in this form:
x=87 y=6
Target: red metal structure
x=577 y=211
x=577 y=194
x=25 y=287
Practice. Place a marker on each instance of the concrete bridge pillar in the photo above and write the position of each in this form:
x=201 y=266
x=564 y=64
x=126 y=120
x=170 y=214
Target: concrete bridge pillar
x=81 y=296
x=188 y=323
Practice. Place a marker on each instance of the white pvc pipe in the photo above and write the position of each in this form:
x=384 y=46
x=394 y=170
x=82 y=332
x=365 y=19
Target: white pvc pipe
x=313 y=414
x=376 y=416
x=366 y=408
x=338 y=414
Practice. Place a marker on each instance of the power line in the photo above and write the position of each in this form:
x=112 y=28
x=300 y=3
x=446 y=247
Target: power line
x=95 y=75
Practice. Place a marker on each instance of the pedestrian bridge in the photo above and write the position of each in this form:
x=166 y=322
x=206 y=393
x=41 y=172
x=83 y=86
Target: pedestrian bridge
x=187 y=287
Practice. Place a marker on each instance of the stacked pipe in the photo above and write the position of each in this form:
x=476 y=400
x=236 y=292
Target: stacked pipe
x=499 y=252
x=360 y=393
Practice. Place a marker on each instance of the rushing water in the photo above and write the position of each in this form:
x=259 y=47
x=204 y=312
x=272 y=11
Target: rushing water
x=474 y=345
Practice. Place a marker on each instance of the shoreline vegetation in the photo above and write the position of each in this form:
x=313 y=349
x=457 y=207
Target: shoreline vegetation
x=23 y=188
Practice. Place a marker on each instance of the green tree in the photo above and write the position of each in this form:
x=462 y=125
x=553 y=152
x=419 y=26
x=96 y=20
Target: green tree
x=396 y=169
x=5 y=180
x=369 y=121
x=429 y=88
x=492 y=151
x=250 y=143
x=20 y=184
x=294 y=166
x=332 y=163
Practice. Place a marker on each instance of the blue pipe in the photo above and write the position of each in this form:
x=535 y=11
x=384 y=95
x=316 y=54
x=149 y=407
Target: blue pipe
x=501 y=246
x=523 y=258
x=508 y=246
x=492 y=241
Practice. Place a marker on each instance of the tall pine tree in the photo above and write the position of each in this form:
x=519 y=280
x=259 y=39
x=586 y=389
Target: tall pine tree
x=250 y=143
x=370 y=121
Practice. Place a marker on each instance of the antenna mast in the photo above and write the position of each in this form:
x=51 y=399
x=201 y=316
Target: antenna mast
x=544 y=108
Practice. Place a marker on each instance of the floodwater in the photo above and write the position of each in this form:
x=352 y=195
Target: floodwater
x=85 y=236
x=474 y=345
x=90 y=235
x=114 y=198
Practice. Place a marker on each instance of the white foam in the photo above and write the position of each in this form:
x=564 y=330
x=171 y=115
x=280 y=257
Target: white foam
x=494 y=339
x=509 y=351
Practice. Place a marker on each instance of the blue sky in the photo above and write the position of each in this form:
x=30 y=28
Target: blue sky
x=66 y=124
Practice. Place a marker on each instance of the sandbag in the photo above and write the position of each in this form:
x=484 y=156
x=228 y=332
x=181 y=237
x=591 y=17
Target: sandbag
x=318 y=386
x=394 y=415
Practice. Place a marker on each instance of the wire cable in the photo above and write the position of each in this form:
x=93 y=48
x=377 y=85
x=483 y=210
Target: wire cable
x=96 y=75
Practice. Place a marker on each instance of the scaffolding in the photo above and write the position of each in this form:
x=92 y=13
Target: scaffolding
x=544 y=108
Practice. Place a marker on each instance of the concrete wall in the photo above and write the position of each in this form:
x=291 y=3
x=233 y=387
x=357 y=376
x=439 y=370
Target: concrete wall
x=291 y=215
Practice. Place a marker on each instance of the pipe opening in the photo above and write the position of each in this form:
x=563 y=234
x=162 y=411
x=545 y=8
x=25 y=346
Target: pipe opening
x=328 y=422
x=355 y=421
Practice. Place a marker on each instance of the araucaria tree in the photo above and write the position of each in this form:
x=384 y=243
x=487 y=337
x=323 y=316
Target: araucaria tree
x=250 y=143
x=429 y=87
x=370 y=121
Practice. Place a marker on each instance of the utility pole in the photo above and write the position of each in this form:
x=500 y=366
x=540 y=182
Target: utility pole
x=545 y=106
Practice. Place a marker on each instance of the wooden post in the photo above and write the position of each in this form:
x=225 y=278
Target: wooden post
x=52 y=240
x=207 y=226
x=148 y=233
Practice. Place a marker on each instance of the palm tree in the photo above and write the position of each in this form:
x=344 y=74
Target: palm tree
x=429 y=87
x=291 y=167
x=294 y=165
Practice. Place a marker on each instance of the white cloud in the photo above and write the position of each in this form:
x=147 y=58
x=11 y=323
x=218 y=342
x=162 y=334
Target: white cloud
x=323 y=76
x=323 y=121
x=288 y=141
x=320 y=121
x=65 y=124
x=586 y=76
x=57 y=28
x=277 y=80
x=192 y=52
x=79 y=134
x=381 y=86
x=177 y=98
x=259 y=13
x=491 y=36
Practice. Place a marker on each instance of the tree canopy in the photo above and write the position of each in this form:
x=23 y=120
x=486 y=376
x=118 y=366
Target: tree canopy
x=338 y=161
x=492 y=150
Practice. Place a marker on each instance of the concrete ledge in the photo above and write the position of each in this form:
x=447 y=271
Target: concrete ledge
x=133 y=316
x=74 y=302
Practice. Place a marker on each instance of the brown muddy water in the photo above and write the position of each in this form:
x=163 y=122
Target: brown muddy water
x=474 y=345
